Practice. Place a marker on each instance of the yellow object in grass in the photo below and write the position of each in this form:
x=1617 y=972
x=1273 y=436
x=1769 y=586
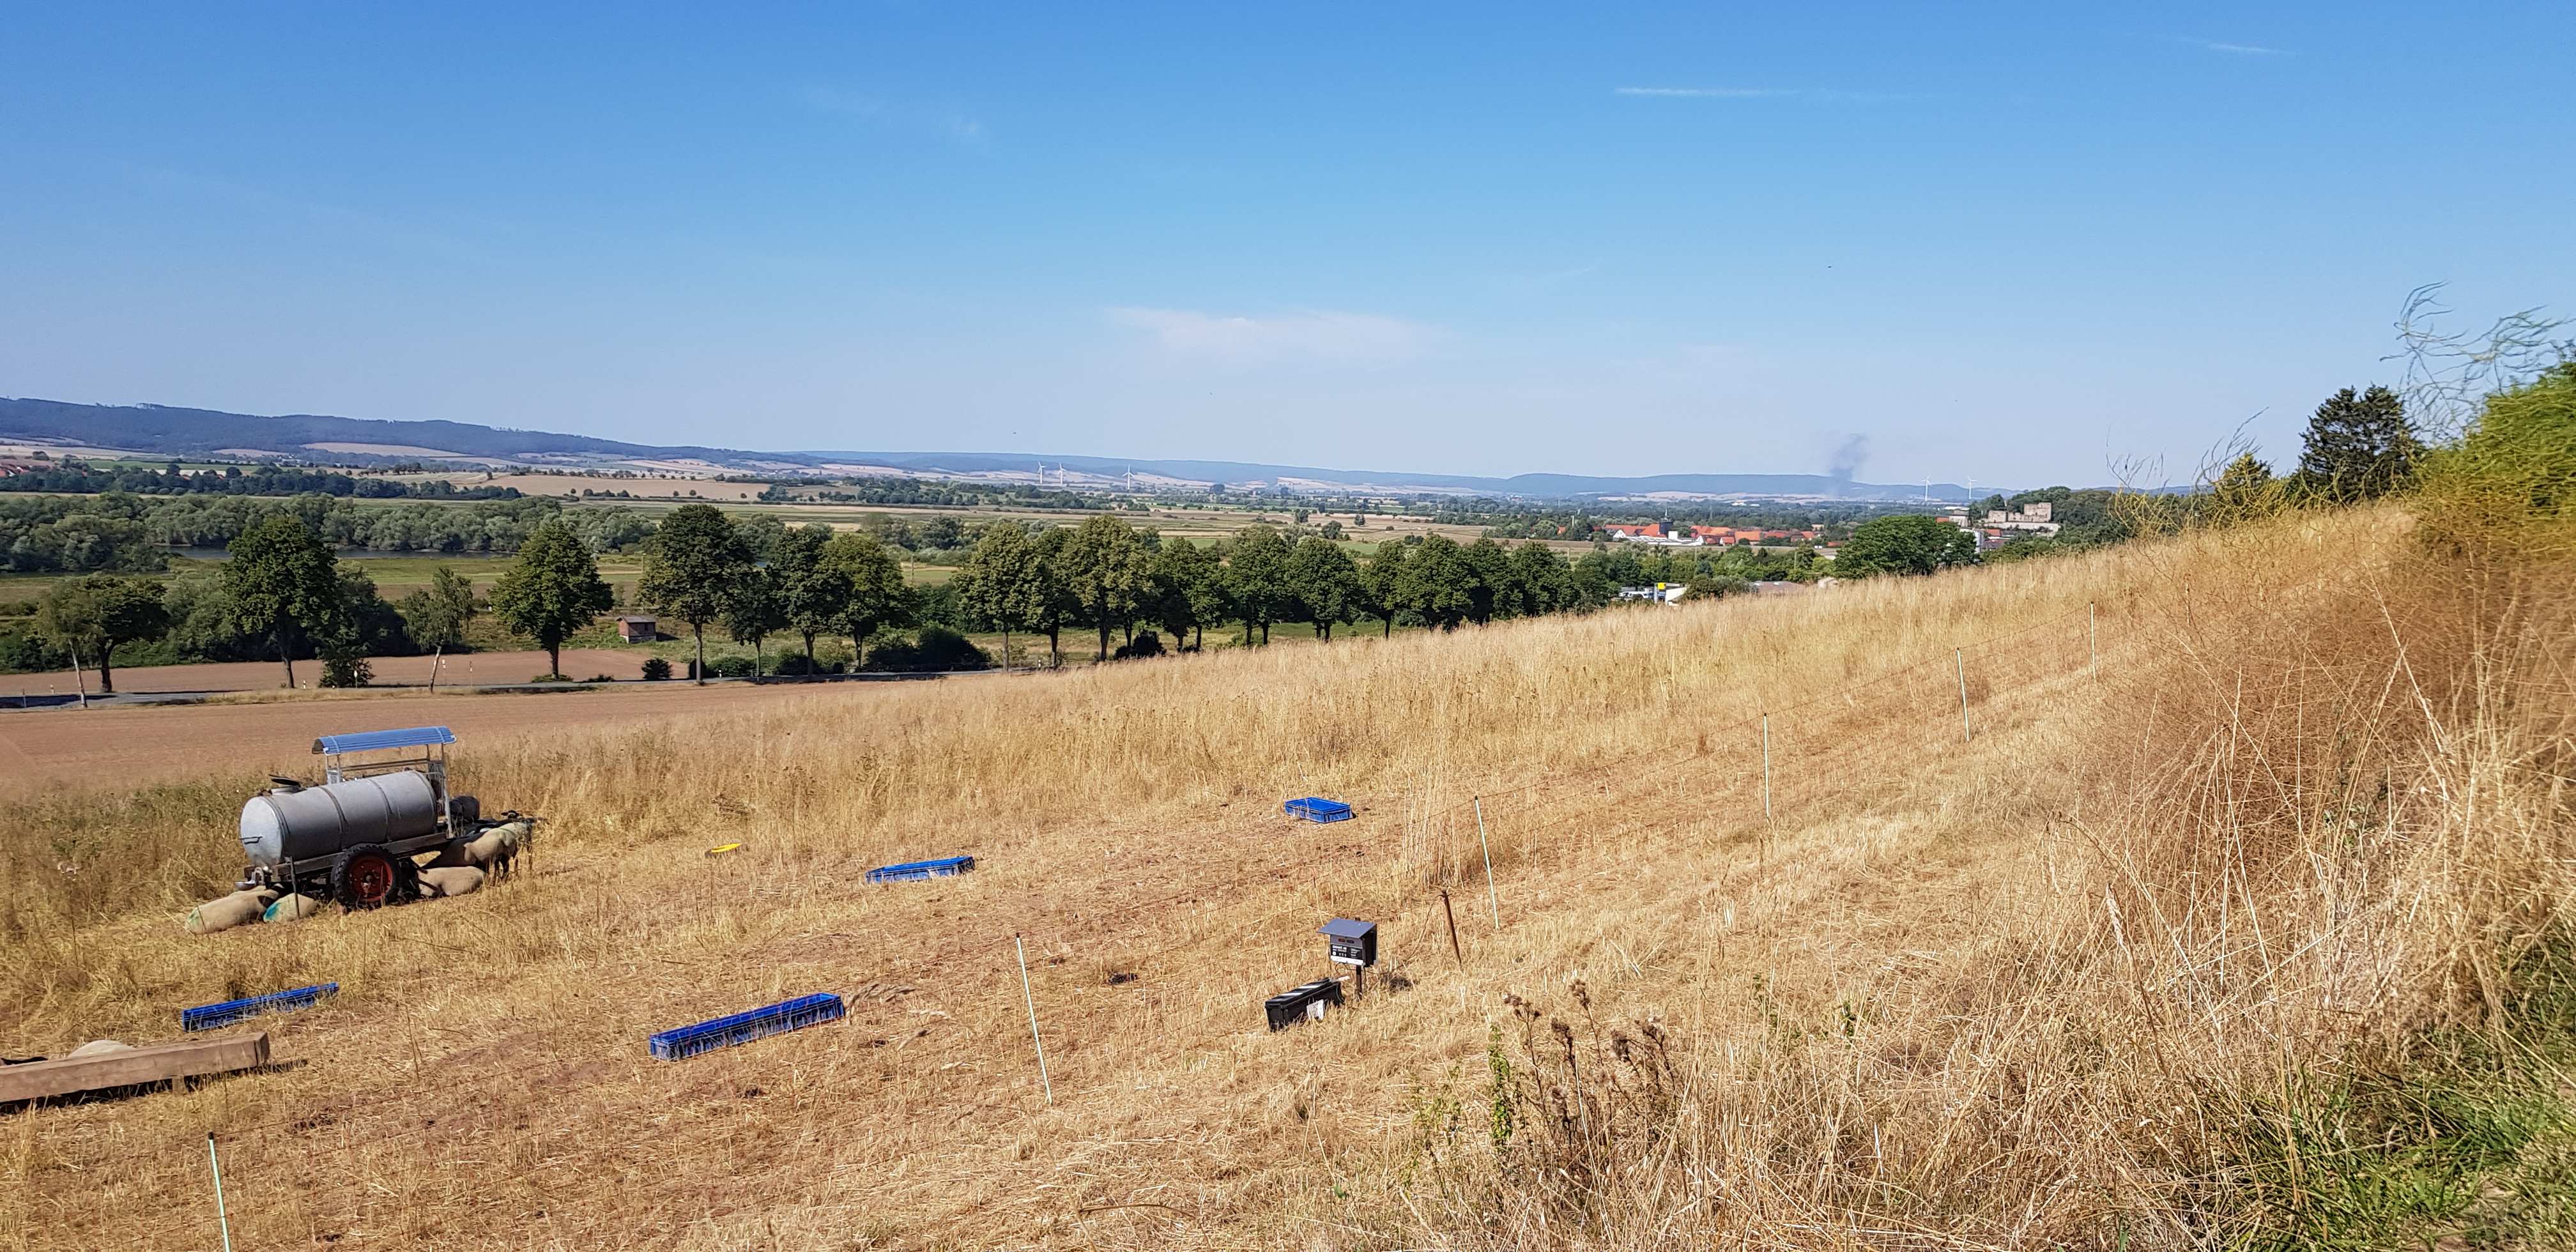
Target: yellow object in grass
x=722 y=848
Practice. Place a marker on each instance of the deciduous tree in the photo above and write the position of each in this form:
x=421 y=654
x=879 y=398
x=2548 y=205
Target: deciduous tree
x=1906 y=543
x=1382 y=581
x=1002 y=585
x=1439 y=586
x=1325 y=583
x=1107 y=571
x=284 y=581
x=1539 y=582
x=1056 y=603
x=554 y=589
x=1256 y=578
x=813 y=593
x=692 y=567
x=877 y=599
x=1188 y=589
x=91 y=616
x=755 y=612
x=1488 y=592
x=438 y=614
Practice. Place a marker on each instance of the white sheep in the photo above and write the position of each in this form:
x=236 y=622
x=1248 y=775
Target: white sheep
x=238 y=909
x=493 y=850
x=455 y=880
x=292 y=909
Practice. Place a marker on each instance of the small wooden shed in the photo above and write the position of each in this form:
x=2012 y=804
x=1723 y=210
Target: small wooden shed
x=637 y=630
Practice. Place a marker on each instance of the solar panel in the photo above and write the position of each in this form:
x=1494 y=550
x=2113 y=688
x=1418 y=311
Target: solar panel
x=379 y=740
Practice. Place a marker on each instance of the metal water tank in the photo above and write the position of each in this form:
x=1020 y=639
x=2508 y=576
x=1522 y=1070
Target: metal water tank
x=285 y=825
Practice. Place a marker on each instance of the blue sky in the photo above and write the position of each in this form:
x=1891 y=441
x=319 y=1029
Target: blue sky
x=2003 y=243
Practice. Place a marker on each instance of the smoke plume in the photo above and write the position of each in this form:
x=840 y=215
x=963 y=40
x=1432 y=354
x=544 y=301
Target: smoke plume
x=1848 y=457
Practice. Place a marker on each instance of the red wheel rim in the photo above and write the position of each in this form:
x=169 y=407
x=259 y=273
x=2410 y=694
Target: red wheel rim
x=371 y=879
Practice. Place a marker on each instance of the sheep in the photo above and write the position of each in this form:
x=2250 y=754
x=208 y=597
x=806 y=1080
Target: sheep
x=456 y=880
x=238 y=909
x=292 y=908
x=493 y=850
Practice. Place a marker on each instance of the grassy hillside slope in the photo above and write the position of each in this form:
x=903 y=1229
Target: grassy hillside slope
x=2236 y=831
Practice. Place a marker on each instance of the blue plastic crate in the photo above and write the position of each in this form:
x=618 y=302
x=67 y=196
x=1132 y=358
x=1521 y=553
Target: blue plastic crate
x=1318 y=809
x=210 y=1016
x=724 y=1032
x=913 y=871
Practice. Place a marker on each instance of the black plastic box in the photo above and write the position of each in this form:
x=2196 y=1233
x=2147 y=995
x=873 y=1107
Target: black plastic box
x=1302 y=1003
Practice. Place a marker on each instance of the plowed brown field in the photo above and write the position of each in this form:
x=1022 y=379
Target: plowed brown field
x=124 y=747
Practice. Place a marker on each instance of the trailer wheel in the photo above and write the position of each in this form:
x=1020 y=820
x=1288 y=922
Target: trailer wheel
x=365 y=877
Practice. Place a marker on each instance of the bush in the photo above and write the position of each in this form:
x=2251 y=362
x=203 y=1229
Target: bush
x=1145 y=644
x=795 y=664
x=733 y=667
x=938 y=649
x=347 y=671
x=656 y=669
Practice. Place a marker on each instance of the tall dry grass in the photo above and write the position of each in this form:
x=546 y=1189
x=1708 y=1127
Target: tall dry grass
x=2000 y=984
x=2318 y=814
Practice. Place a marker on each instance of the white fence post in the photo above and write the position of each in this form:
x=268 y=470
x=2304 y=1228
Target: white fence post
x=1491 y=900
x=1966 y=735
x=1032 y=1000
x=1766 y=769
x=223 y=1220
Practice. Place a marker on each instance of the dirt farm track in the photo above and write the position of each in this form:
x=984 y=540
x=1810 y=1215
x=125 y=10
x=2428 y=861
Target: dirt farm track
x=124 y=747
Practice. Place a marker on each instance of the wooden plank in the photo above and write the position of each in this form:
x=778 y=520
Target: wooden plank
x=160 y=1062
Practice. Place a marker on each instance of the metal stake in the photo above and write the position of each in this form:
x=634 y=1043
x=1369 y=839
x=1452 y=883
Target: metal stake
x=223 y=1220
x=2092 y=641
x=1454 y=949
x=1965 y=734
x=1766 y=768
x=1491 y=900
x=1032 y=1000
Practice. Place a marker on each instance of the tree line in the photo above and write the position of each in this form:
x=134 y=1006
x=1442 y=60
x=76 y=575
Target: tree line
x=1113 y=578
x=124 y=533
x=81 y=477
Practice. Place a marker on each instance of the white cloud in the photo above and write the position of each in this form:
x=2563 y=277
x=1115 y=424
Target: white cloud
x=2240 y=49
x=1321 y=336
x=947 y=122
x=1706 y=93
x=1826 y=96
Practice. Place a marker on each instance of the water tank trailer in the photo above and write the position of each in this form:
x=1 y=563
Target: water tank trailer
x=353 y=837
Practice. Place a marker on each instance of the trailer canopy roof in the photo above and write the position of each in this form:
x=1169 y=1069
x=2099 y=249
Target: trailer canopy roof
x=378 y=740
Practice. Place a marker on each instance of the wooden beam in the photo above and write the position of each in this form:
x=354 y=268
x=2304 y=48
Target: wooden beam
x=160 y=1062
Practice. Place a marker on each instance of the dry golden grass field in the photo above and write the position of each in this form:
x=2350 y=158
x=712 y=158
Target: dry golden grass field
x=2071 y=870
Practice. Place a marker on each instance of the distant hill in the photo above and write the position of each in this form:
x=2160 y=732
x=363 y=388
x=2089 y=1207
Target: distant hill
x=159 y=430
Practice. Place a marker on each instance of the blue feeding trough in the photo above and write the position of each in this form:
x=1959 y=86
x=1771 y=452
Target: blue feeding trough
x=1318 y=809
x=724 y=1032
x=210 y=1016
x=914 y=871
